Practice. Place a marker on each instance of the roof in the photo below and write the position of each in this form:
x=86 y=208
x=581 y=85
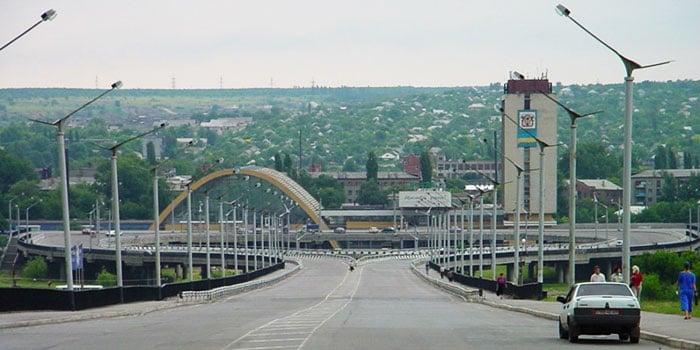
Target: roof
x=601 y=184
x=660 y=173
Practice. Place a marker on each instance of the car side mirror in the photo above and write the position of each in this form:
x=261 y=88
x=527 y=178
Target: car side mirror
x=561 y=299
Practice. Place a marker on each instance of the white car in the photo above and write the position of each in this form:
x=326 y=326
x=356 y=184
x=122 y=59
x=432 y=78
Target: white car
x=111 y=233
x=599 y=308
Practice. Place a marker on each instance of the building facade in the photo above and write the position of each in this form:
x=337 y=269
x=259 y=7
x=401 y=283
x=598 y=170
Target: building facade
x=648 y=184
x=352 y=181
x=528 y=114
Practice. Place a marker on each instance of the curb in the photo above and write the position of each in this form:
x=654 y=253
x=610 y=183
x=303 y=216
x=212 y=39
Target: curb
x=169 y=303
x=646 y=335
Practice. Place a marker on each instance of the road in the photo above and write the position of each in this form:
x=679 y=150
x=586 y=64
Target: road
x=378 y=306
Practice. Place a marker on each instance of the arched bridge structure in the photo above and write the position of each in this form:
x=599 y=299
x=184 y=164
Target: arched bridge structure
x=258 y=188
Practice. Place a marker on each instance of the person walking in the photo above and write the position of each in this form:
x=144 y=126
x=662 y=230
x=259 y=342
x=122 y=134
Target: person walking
x=427 y=267
x=686 y=289
x=617 y=275
x=597 y=276
x=636 y=281
x=500 y=285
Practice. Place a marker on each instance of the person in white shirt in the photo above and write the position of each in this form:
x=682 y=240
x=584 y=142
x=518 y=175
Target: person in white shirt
x=597 y=276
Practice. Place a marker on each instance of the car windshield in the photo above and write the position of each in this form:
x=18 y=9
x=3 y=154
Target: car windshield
x=603 y=289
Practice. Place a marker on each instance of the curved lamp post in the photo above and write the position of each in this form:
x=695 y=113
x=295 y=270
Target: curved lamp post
x=46 y=16
x=573 y=116
x=156 y=218
x=60 y=133
x=26 y=212
x=630 y=66
x=115 y=202
x=540 y=217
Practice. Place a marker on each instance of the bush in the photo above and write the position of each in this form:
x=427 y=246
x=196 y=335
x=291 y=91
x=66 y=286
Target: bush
x=654 y=289
x=167 y=276
x=106 y=279
x=36 y=268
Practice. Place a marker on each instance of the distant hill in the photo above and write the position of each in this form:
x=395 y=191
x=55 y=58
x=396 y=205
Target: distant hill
x=338 y=124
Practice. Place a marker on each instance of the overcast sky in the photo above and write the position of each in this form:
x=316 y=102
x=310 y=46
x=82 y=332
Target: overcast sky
x=285 y=43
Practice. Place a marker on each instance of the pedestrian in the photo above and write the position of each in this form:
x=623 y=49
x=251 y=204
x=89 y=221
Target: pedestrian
x=636 y=281
x=450 y=275
x=597 y=276
x=617 y=275
x=686 y=289
x=500 y=285
x=427 y=266
x=442 y=272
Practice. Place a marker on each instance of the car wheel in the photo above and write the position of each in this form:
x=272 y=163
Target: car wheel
x=634 y=335
x=563 y=334
x=573 y=333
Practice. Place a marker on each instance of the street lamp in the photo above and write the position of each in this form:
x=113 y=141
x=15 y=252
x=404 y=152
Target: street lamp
x=60 y=133
x=26 y=212
x=115 y=202
x=516 y=223
x=630 y=66
x=540 y=216
x=9 y=214
x=46 y=16
x=573 y=116
x=156 y=218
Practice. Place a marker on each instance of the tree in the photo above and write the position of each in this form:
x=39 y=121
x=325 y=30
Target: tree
x=151 y=153
x=672 y=160
x=370 y=193
x=14 y=169
x=349 y=165
x=36 y=268
x=279 y=166
x=426 y=167
x=660 y=158
x=372 y=166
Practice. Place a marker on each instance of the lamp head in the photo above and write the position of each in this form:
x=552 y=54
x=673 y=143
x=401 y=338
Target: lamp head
x=117 y=85
x=562 y=10
x=48 y=15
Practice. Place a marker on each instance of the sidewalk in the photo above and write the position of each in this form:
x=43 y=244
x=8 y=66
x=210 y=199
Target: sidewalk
x=35 y=318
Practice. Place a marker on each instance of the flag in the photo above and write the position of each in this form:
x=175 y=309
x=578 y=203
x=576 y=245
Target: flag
x=73 y=258
x=79 y=256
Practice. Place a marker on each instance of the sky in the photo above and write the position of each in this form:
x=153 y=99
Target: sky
x=210 y=44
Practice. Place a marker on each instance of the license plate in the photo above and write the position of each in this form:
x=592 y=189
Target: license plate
x=606 y=312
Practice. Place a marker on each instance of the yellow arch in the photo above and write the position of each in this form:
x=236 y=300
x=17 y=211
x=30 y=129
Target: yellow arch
x=276 y=178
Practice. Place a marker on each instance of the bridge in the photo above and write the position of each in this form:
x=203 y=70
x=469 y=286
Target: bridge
x=254 y=187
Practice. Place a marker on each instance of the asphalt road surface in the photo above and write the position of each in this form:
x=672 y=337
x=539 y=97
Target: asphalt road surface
x=378 y=306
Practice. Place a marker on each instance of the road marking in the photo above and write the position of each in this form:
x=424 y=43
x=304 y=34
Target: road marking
x=309 y=319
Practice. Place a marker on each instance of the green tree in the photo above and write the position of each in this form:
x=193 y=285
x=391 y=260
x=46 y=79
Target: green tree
x=372 y=166
x=14 y=169
x=151 y=153
x=36 y=268
x=370 y=193
x=672 y=160
x=426 y=167
x=105 y=278
x=279 y=166
x=660 y=161
x=349 y=165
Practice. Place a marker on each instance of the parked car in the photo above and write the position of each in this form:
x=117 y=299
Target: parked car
x=339 y=230
x=373 y=230
x=599 y=308
x=388 y=230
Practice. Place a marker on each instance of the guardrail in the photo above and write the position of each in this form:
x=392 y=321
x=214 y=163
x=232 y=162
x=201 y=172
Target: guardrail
x=213 y=294
x=467 y=294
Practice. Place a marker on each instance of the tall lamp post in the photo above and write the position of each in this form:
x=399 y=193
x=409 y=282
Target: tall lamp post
x=573 y=116
x=115 y=202
x=59 y=124
x=630 y=66
x=540 y=205
x=156 y=218
x=46 y=16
